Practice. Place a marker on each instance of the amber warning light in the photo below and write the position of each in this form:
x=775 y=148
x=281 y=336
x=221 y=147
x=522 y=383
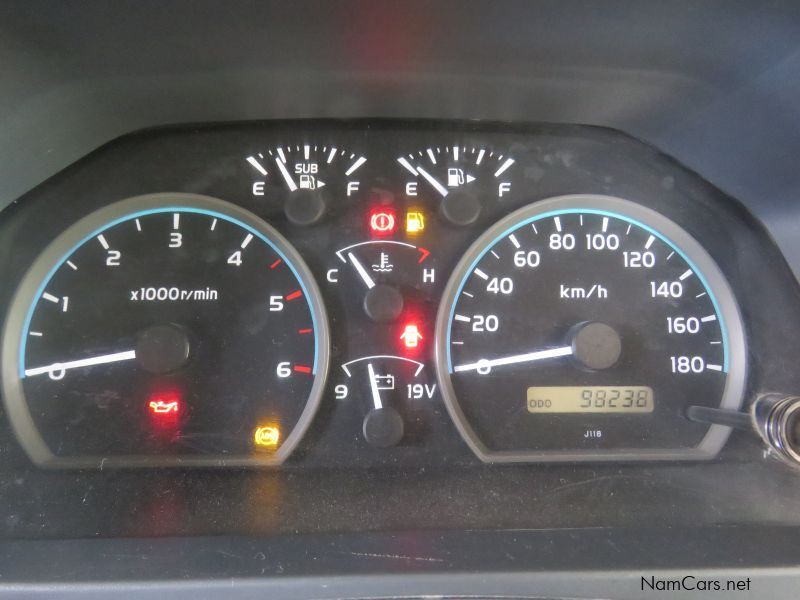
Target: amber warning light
x=267 y=436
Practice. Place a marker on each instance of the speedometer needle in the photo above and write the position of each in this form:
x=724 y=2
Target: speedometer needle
x=483 y=366
x=432 y=180
x=58 y=368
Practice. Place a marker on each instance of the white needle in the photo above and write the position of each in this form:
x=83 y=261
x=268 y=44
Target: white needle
x=436 y=185
x=84 y=362
x=373 y=384
x=484 y=365
x=361 y=271
x=289 y=181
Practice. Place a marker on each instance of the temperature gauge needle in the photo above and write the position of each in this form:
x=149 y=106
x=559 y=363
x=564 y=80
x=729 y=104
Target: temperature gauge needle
x=484 y=365
x=361 y=271
x=84 y=362
x=373 y=384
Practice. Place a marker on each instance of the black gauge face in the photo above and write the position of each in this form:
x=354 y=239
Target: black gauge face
x=312 y=181
x=584 y=327
x=166 y=329
x=461 y=177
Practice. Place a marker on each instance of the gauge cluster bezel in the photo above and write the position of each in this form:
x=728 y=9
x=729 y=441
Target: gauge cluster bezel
x=549 y=160
x=706 y=269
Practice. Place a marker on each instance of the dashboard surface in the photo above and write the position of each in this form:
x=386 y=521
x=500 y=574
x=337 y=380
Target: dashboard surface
x=643 y=427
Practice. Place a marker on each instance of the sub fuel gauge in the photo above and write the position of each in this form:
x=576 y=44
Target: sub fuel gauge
x=305 y=178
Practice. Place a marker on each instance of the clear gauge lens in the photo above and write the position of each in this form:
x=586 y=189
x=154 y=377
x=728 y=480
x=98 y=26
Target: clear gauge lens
x=311 y=180
x=583 y=327
x=165 y=329
x=462 y=177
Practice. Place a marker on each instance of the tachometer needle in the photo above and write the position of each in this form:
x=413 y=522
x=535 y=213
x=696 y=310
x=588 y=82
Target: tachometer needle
x=432 y=180
x=84 y=362
x=373 y=384
x=288 y=178
x=361 y=271
x=483 y=366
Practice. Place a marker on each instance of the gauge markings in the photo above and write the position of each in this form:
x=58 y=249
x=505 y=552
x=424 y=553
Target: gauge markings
x=592 y=312
x=256 y=165
x=355 y=166
x=294 y=295
x=504 y=167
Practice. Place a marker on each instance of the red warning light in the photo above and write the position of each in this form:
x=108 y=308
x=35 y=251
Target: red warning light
x=382 y=221
x=164 y=408
x=411 y=336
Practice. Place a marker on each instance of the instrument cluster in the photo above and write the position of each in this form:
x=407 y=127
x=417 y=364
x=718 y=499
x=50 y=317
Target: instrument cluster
x=378 y=292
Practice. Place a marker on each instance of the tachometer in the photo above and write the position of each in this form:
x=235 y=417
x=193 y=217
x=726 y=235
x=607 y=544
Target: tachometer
x=582 y=328
x=165 y=329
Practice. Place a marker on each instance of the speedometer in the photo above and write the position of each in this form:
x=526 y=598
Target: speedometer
x=583 y=328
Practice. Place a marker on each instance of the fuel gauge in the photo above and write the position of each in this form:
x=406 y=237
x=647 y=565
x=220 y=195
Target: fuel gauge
x=305 y=178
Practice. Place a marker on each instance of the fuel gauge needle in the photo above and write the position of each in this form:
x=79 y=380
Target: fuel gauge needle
x=485 y=365
x=288 y=178
x=361 y=271
x=84 y=362
x=373 y=384
x=433 y=181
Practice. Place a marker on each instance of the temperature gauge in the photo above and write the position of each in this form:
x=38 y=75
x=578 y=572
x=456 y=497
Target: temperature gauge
x=387 y=272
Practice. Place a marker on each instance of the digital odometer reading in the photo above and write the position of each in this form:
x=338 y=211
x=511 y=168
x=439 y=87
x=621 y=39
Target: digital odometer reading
x=590 y=399
x=560 y=302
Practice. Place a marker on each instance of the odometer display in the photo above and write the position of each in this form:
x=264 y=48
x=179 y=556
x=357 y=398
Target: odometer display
x=565 y=308
x=169 y=329
x=590 y=399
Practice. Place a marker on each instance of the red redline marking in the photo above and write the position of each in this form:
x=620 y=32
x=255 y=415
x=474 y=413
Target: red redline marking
x=424 y=253
x=302 y=369
x=293 y=295
x=276 y=263
x=304 y=331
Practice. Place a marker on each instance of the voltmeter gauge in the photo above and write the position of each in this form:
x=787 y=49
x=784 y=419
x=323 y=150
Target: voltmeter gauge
x=392 y=389
x=584 y=328
x=461 y=176
x=170 y=329
x=305 y=178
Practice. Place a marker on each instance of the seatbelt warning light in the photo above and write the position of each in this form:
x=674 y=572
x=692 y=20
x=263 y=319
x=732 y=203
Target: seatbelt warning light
x=411 y=336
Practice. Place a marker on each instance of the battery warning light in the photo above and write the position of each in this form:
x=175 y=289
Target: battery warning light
x=411 y=336
x=382 y=221
x=267 y=436
x=415 y=221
